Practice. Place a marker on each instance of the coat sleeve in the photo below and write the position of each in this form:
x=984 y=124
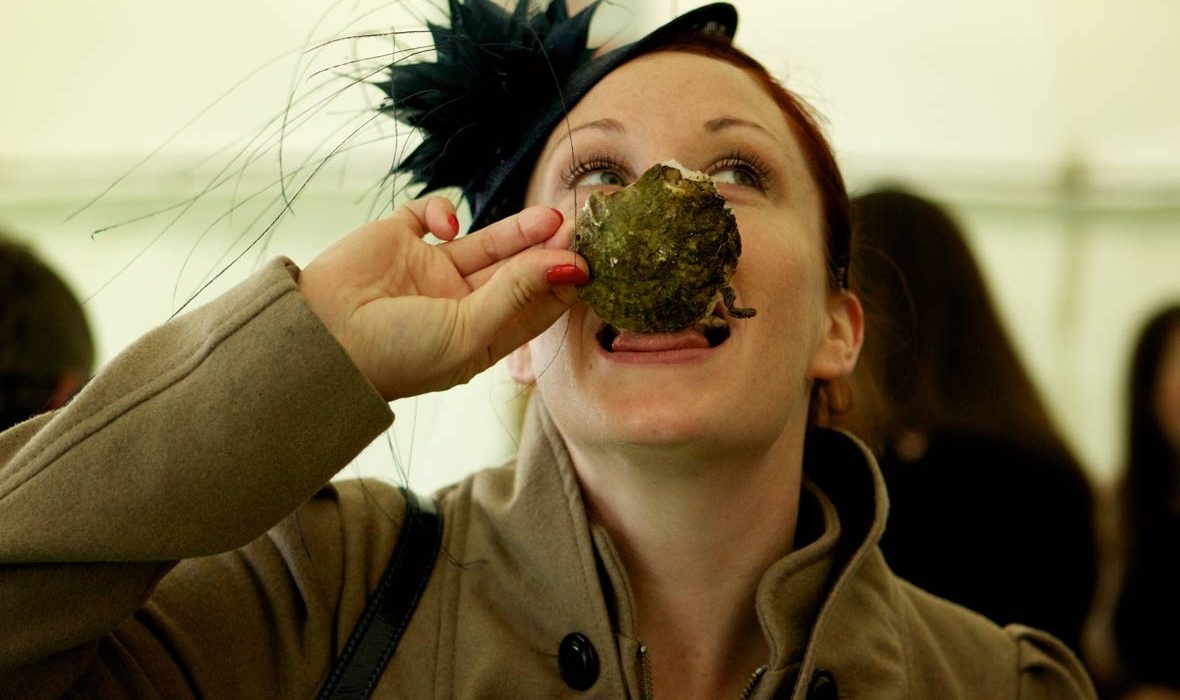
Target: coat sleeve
x=189 y=447
x=1047 y=668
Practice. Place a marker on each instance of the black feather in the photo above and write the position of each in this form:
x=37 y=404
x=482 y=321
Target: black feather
x=494 y=74
x=499 y=83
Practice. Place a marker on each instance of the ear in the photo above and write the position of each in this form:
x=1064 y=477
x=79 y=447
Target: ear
x=520 y=365
x=836 y=354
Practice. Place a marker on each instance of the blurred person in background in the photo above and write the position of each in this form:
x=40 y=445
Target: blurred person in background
x=989 y=507
x=46 y=349
x=1147 y=615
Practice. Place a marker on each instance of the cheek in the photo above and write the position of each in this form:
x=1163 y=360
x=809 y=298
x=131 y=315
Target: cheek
x=559 y=355
x=781 y=269
x=546 y=348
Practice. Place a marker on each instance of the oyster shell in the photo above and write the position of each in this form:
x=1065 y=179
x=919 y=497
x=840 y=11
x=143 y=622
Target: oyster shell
x=661 y=252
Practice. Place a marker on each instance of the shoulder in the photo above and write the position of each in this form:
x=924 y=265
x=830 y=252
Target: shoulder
x=952 y=645
x=348 y=529
x=370 y=512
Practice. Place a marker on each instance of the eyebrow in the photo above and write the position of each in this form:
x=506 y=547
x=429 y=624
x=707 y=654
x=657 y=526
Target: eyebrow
x=611 y=125
x=728 y=122
x=712 y=126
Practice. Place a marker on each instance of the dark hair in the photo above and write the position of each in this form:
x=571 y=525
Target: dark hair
x=1151 y=463
x=43 y=333
x=936 y=355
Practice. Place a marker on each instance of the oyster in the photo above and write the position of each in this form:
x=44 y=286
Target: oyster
x=661 y=252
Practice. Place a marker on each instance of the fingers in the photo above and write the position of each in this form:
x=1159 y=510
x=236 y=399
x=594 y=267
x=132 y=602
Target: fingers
x=434 y=215
x=503 y=239
x=524 y=297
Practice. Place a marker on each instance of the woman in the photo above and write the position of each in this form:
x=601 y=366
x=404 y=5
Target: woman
x=970 y=456
x=656 y=536
x=1147 y=611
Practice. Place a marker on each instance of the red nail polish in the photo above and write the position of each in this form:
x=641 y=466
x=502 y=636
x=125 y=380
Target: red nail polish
x=566 y=274
x=454 y=222
x=560 y=216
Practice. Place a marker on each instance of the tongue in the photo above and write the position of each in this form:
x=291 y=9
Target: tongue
x=688 y=338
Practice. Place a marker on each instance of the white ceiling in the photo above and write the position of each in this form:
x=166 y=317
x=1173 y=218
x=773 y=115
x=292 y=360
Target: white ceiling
x=1017 y=86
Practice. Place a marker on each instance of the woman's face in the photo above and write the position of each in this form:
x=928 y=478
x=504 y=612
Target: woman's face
x=1167 y=392
x=752 y=389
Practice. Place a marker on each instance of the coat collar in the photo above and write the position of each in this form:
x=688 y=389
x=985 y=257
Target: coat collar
x=547 y=556
x=576 y=583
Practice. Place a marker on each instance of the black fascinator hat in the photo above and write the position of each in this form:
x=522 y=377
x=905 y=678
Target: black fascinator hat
x=500 y=83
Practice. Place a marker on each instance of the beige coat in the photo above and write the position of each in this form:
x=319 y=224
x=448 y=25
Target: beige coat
x=169 y=535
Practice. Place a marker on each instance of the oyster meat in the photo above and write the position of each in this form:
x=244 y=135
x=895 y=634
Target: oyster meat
x=661 y=252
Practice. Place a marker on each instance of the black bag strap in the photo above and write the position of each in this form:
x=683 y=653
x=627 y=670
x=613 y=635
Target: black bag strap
x=390 y=607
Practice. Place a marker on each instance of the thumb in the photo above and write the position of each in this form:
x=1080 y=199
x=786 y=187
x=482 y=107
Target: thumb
x=524 y=297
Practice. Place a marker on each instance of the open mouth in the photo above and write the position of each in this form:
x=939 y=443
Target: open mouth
x=717 y=335
x=714 y=329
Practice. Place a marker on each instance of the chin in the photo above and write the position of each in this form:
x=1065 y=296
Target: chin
x=662 y=416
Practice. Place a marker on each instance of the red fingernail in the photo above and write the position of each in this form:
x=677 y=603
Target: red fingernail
x=566 y=274
x=560 y=216
x=454 y=222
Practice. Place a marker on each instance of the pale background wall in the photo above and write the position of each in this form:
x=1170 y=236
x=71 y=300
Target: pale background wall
x=1049 y=125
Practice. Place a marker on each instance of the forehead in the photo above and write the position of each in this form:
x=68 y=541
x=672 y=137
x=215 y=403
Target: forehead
x=678 y=73
x=655 y=90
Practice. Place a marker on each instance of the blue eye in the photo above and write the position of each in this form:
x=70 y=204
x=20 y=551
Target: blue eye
x=736 y=176
x=599 y=178
x=599 y=170
x=741 y=171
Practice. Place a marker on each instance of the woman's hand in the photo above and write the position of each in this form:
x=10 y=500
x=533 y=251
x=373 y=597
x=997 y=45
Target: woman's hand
x=417 y=317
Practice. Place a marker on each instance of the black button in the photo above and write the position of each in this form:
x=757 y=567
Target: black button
x=822 y=686
x=578 y=661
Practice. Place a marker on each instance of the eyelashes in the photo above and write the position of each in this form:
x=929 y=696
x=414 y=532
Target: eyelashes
x=610 y=170
x=599 y=162
x=758 y=175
